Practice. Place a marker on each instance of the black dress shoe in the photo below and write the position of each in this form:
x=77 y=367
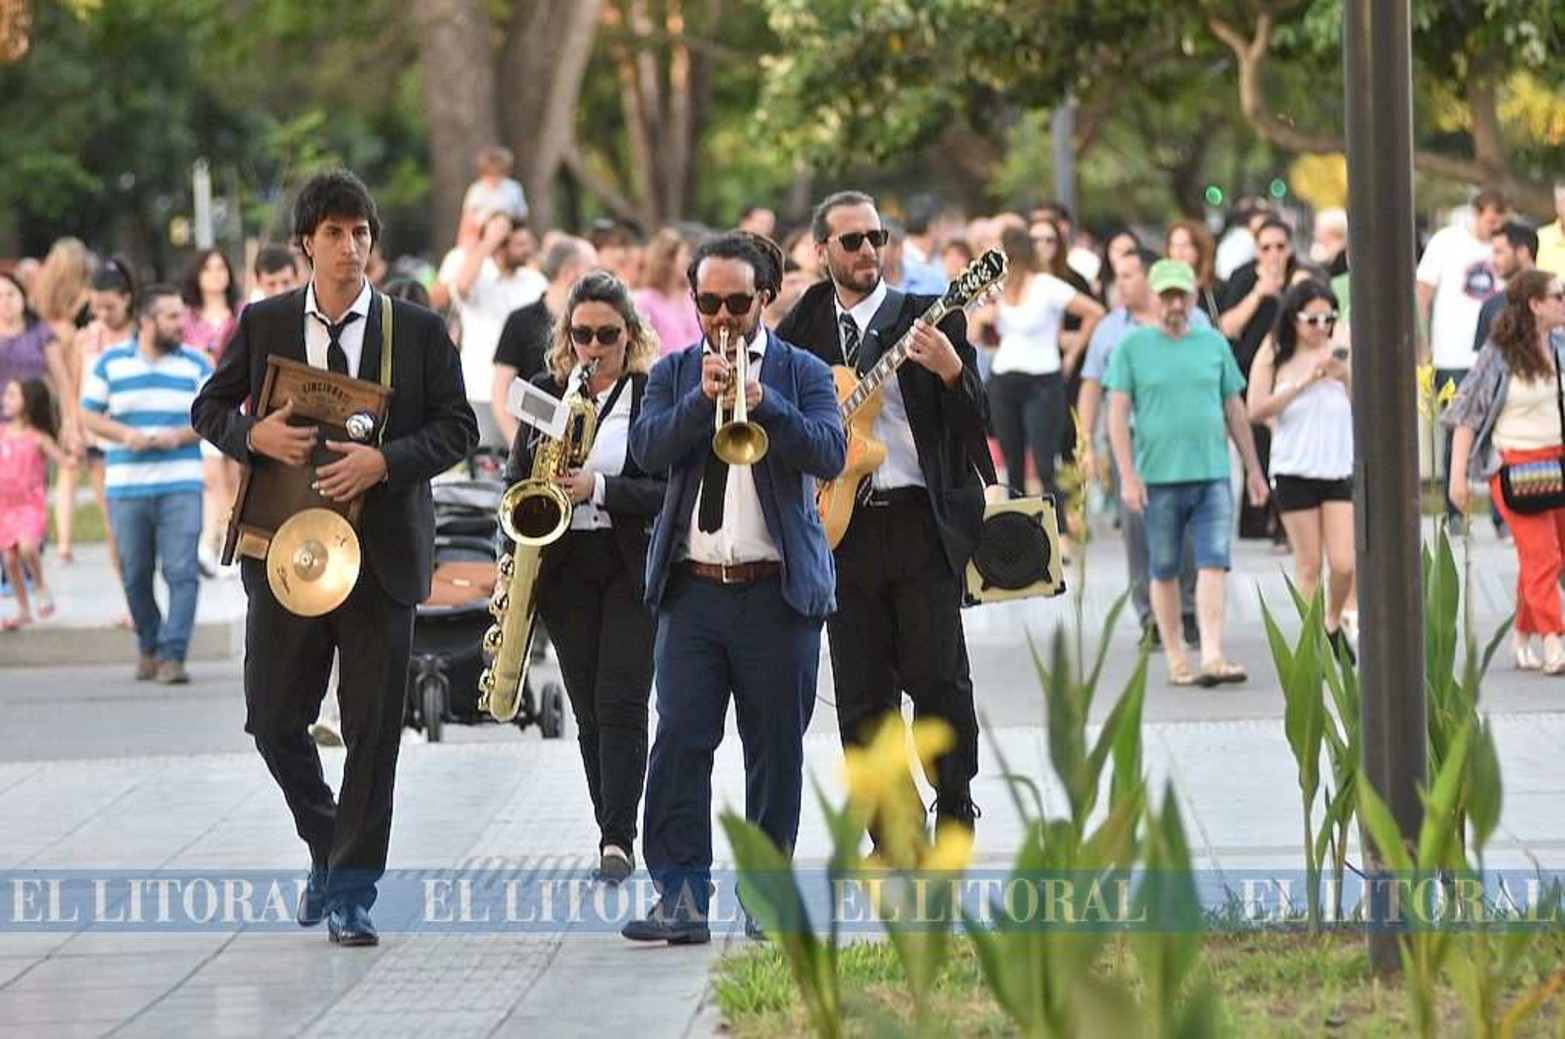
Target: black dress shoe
x=351 y=925
x=669 y=923
x=957 y=808
x=312 y=900
x=1191 y=629
x=614 y=866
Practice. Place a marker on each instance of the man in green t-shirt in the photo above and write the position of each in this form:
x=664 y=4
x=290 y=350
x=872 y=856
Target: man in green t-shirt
x=1183 y=387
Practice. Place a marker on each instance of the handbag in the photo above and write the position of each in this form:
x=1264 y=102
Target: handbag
x=1533 y=487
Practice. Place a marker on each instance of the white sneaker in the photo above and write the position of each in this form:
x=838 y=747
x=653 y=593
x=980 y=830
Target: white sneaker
x=207 y=561
x=325 y=734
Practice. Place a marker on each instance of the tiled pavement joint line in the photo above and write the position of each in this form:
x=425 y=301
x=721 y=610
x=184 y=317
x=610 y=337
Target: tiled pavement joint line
x=121 y=796
x=216 y=823
x=1181 y=785
x=25 y=777
x=177 y=986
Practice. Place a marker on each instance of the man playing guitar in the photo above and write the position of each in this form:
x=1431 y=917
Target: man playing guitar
x=900 y=564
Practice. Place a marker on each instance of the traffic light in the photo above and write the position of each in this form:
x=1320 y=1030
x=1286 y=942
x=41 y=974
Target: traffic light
x=1214 y=195
x=1279 y=188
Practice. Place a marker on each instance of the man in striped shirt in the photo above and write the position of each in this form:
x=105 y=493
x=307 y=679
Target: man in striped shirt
x=138 y=396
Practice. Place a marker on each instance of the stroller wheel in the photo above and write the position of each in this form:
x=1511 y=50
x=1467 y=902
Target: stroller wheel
x=551 y=711
x=432 y=705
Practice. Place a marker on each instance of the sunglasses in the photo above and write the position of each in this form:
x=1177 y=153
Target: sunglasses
x=851 y=240
x=608 y=335
x=738 y=304
x=1319 y=320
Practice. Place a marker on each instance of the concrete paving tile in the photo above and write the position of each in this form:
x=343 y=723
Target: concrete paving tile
x=12 y=966
x=116 y=971
x=230 y=1011
x=21 y=1012
x=103 y=941
x=32 y=945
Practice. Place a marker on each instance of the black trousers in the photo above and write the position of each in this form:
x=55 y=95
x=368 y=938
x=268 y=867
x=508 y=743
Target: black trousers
x=603 y=634
x=1029 y=411
x=287 y=665
x=897 y=628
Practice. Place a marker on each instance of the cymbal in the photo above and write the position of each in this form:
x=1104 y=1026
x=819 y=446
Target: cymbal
x=313 y=562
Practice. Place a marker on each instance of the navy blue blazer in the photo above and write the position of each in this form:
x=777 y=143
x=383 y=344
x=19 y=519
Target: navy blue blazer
x=798 y=410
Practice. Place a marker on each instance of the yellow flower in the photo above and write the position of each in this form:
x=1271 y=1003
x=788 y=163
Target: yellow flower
x=952 y=851
x=1426 y=390
x=1447 y=393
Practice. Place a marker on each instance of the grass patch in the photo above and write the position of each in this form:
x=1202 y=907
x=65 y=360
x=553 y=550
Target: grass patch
x=1271 y=983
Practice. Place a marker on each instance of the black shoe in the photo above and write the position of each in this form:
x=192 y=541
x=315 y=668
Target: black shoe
x=614 y=866
x=312 y=900
x=1342 y=647
x=752 y=930
x=1151 y=638
x=351 y=925
x=671 y=923
x=958 y=809
x=1192 y=630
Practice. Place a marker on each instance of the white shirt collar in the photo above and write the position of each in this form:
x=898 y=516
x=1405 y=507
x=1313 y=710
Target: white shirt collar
x=864 y=311
x=360 y=305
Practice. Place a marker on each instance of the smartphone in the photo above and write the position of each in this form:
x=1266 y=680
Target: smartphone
x=1340 y=353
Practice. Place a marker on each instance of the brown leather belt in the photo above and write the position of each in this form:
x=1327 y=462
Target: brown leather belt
x=732 y=573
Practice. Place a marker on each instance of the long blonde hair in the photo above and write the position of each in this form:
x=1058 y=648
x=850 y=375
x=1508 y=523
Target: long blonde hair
x=60 y=288
x=641 y=342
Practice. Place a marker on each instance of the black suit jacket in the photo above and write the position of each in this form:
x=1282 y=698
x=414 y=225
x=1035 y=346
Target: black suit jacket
x=631 y=499
x=947 y=424
x=429 y=426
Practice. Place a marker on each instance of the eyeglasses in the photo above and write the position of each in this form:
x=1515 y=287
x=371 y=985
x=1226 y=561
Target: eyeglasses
x=608 y=335
x=1325 y=320
x=851 y=240
x=739 y=303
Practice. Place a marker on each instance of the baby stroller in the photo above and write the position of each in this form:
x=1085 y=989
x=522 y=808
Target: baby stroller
x=449 y=626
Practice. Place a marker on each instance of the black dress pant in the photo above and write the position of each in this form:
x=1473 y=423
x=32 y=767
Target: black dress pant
x=1029 y=411
x=897 y=628
x=603 y=634
x=287 y=665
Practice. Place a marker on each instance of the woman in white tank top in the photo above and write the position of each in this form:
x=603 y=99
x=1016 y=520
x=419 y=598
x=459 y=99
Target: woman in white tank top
x=1302 y=386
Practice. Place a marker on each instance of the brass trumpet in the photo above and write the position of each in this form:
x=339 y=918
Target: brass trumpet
x=738 y=441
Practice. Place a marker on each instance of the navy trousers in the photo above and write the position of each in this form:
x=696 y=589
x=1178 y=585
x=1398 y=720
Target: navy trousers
x=713 y=640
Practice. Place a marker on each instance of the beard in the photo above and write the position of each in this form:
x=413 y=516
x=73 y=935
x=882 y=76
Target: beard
x=852 y=276
x=167 y=345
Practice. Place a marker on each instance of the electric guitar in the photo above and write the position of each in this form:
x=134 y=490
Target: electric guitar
x=859 y=401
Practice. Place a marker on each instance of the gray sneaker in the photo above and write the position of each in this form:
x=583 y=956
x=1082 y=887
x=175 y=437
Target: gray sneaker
x=172 y=672
x=146 y=669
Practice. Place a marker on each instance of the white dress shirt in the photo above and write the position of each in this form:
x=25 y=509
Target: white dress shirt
x=743 y=537
x=317 y=339
x=607 y=457
x=900 y=469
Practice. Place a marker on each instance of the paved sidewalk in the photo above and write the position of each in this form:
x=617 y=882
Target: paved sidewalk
x=522 y=805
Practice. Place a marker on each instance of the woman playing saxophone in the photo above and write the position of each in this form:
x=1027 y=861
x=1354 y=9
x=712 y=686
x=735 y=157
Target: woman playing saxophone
x=591 y=580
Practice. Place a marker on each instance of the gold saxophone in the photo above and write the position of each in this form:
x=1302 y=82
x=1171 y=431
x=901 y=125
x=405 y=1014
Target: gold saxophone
x=533 y=513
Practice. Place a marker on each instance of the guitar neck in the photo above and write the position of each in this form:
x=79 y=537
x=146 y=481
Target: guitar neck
x=885 y=367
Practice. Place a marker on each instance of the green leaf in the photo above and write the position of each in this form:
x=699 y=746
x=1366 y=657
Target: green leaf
x=1484 y=787
x=1441 y=806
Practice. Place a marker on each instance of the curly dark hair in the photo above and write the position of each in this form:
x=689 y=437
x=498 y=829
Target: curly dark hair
x=764 y=257
x=1515 y=330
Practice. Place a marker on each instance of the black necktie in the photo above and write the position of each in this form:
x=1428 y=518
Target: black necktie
x=850 y=340
x=714 y=481
x=336 y=356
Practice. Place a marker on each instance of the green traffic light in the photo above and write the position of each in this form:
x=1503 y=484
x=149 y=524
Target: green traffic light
x=1279 y=187
x=1214 y=195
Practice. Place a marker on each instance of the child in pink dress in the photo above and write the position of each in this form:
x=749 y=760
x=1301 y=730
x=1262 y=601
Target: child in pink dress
x=26 y=445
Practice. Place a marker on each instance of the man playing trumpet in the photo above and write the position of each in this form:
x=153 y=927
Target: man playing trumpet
x=739 y=571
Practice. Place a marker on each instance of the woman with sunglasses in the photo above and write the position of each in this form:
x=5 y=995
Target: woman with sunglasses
x=591 y=581
x=1507 y=413
x=1302 y=385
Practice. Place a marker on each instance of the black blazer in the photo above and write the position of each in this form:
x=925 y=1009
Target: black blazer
x=631 y=499
x=429 y=426
x=947 y=424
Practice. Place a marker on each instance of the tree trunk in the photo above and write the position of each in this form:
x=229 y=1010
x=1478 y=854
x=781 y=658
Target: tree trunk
x=459 y=96
x=676 y=140
x=638 y=121
x=542 y=64
x=1488 y=166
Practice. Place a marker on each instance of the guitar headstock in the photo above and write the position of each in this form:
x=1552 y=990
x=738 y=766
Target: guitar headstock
x=980 y=281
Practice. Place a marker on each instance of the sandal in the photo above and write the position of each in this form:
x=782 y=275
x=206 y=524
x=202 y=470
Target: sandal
x=45 y=607
x=1222 y=671
x=1180 y=675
